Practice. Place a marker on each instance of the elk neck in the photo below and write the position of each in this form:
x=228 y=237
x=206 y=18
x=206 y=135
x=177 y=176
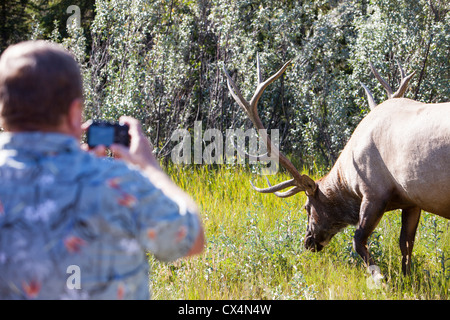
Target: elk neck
x=339 y=200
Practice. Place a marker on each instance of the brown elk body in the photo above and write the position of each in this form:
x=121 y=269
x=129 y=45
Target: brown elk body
x=397 y=158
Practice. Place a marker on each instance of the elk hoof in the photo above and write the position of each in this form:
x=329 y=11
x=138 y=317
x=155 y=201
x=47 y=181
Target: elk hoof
x=375 y=281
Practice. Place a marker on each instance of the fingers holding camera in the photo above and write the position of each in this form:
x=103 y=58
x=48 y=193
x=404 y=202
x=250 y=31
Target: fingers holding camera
x=140 y=151
x=85 y=125
x=99 y=151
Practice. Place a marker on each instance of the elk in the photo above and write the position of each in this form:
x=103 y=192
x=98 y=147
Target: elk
x=398 y=157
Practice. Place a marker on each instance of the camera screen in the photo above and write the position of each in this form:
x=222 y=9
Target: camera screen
x=101 y=135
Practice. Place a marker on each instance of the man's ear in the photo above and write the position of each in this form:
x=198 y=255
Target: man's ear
x=75 y=117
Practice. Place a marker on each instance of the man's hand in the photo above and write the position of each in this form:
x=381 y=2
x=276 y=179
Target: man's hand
x=140 y=152
x=99 y=151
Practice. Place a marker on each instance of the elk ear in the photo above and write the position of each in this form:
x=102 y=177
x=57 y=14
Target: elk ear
x=309 y=185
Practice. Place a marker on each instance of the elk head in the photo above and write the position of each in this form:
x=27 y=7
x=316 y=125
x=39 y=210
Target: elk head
x=320 y=228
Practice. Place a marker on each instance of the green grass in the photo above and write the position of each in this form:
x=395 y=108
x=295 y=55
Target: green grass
x=255 y=249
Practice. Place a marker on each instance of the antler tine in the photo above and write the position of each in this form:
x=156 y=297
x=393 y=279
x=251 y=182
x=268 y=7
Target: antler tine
x=235 y=93
x=288 y=193
x=369 y=95
x=386 y=86
x=403 y=86
x=402 y=72
x=263 y=85
x=278 y=187
x=260 y=80
x=299 y=182
x=403 y=83
x=285 y=194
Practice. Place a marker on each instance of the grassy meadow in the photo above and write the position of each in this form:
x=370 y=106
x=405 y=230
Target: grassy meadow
x=255 y=249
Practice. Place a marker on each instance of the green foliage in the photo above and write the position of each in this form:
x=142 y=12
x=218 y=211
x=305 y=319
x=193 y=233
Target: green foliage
x=40 y=19
x=161 y=61
x=14 y=22
x=255 y=249
x=414 y=32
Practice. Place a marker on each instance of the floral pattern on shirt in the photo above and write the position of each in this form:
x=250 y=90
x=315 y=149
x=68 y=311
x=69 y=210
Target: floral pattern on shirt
x=62 y=207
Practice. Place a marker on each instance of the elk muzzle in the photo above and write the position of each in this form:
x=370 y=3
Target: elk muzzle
x=311 y=244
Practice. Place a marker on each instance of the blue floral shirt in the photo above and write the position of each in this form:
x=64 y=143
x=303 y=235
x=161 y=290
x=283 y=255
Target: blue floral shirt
x=74 y=226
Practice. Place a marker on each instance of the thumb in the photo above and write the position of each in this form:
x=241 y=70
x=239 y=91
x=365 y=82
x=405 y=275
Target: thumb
x=120 y=152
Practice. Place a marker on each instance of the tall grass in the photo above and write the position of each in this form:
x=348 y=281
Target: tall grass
x=255 y=249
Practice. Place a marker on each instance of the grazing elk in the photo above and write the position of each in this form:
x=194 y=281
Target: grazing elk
x=397 y=158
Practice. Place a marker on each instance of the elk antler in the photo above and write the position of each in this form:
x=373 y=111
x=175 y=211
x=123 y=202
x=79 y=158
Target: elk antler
x=398 y=94
x=299 y=182
x=403 y=83
x=372 y=103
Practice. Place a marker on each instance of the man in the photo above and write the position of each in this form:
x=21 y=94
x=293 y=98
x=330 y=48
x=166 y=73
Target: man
x=74 y=225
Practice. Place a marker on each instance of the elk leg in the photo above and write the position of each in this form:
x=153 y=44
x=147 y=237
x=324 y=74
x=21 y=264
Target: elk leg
x=410 y=221
x=369 y=215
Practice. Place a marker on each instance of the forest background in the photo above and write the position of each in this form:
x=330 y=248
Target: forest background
x=161 y=61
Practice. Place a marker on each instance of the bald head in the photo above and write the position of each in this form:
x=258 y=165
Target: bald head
x=38 y=82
